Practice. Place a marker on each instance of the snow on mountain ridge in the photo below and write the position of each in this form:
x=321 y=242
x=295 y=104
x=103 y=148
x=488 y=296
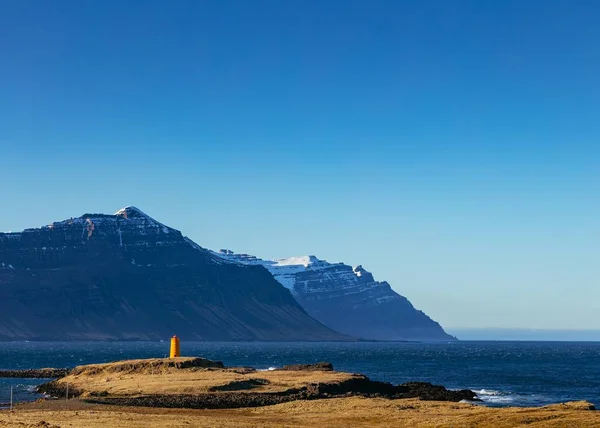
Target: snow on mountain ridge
x=290 y=272
x=347 y=299
x=302 y=260
x=284 y=270
x=131 y=212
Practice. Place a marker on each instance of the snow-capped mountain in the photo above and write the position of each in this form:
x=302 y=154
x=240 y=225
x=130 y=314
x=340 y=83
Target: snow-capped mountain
x=347 y=299
x=128 y=276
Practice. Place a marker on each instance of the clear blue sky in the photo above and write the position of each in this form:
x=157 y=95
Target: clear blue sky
x=450 y=147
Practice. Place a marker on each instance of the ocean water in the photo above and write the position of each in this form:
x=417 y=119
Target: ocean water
x=502 y=373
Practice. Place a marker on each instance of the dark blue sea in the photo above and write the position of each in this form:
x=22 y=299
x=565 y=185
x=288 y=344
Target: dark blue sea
x=502 y=373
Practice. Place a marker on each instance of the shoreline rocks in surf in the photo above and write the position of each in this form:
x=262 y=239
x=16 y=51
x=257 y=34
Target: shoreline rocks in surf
x=46 y=373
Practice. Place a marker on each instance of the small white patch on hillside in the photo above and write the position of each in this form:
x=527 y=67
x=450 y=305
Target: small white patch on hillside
x=294 y=261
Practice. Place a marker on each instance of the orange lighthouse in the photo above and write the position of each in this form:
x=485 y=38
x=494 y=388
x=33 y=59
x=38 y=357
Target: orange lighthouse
x=175 y=351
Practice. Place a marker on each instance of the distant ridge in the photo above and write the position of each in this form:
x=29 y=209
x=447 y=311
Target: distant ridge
x=347 y=299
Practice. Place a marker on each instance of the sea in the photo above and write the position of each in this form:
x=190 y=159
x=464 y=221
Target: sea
x=502 y=373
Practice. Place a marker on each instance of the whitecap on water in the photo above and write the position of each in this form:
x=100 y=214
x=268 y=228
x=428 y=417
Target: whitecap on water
x=487 y=392
x=492 y=396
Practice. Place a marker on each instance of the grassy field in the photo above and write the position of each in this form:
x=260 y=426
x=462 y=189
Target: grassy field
x=163 y=377
x=158 y=376
x=336 y=412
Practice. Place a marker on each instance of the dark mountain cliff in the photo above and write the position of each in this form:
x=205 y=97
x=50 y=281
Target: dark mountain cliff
x=127 y=276
x=348 y=299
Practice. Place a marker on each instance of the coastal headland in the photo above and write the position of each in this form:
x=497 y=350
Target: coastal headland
x=199 y=392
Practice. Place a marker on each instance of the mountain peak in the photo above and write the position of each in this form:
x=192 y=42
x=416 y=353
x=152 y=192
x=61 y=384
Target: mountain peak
x=359 y=270
x=131 y=212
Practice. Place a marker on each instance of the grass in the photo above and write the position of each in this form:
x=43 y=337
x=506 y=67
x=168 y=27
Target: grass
x=162 y=377
x=184 y=376
x=337 y=412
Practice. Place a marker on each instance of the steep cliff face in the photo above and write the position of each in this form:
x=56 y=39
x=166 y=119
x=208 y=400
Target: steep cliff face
x=347 y=299
x=127 y=276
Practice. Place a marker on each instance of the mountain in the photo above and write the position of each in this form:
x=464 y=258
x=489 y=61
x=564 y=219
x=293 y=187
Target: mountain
x=127 y=276
x=347 y=299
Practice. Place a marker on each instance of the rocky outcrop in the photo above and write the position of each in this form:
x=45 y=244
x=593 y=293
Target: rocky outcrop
x=152 y=365
x=368 y=388
x=363 y=387
x=347 y=299
x=127 y=276
x=135 y=383
x=240 y=385
x=34 y=373
x=322 y=366
x=58 y=390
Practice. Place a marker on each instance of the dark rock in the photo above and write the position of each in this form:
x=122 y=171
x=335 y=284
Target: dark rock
x=239 y=385
x=359 y=386
x=57 y=390
x=34 y=373
x=428 y=391
x=322 y=366
x=223 y=400
x=243 y=370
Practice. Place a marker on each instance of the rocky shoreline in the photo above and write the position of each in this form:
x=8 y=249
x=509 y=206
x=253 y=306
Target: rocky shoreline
x=46 y=373
x=238 y=393
x=230 y=400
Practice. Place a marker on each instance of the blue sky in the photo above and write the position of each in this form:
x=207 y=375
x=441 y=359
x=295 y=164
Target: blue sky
x=450 y=147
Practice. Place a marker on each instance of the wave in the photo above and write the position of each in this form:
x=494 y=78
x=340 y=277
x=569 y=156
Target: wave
x=492 y=396
x=487 y=392
x=267 y=370
x=21 y=387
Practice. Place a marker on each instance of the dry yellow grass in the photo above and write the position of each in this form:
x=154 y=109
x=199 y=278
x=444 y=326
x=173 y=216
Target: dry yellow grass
x=157 y=376
x=338 y=412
